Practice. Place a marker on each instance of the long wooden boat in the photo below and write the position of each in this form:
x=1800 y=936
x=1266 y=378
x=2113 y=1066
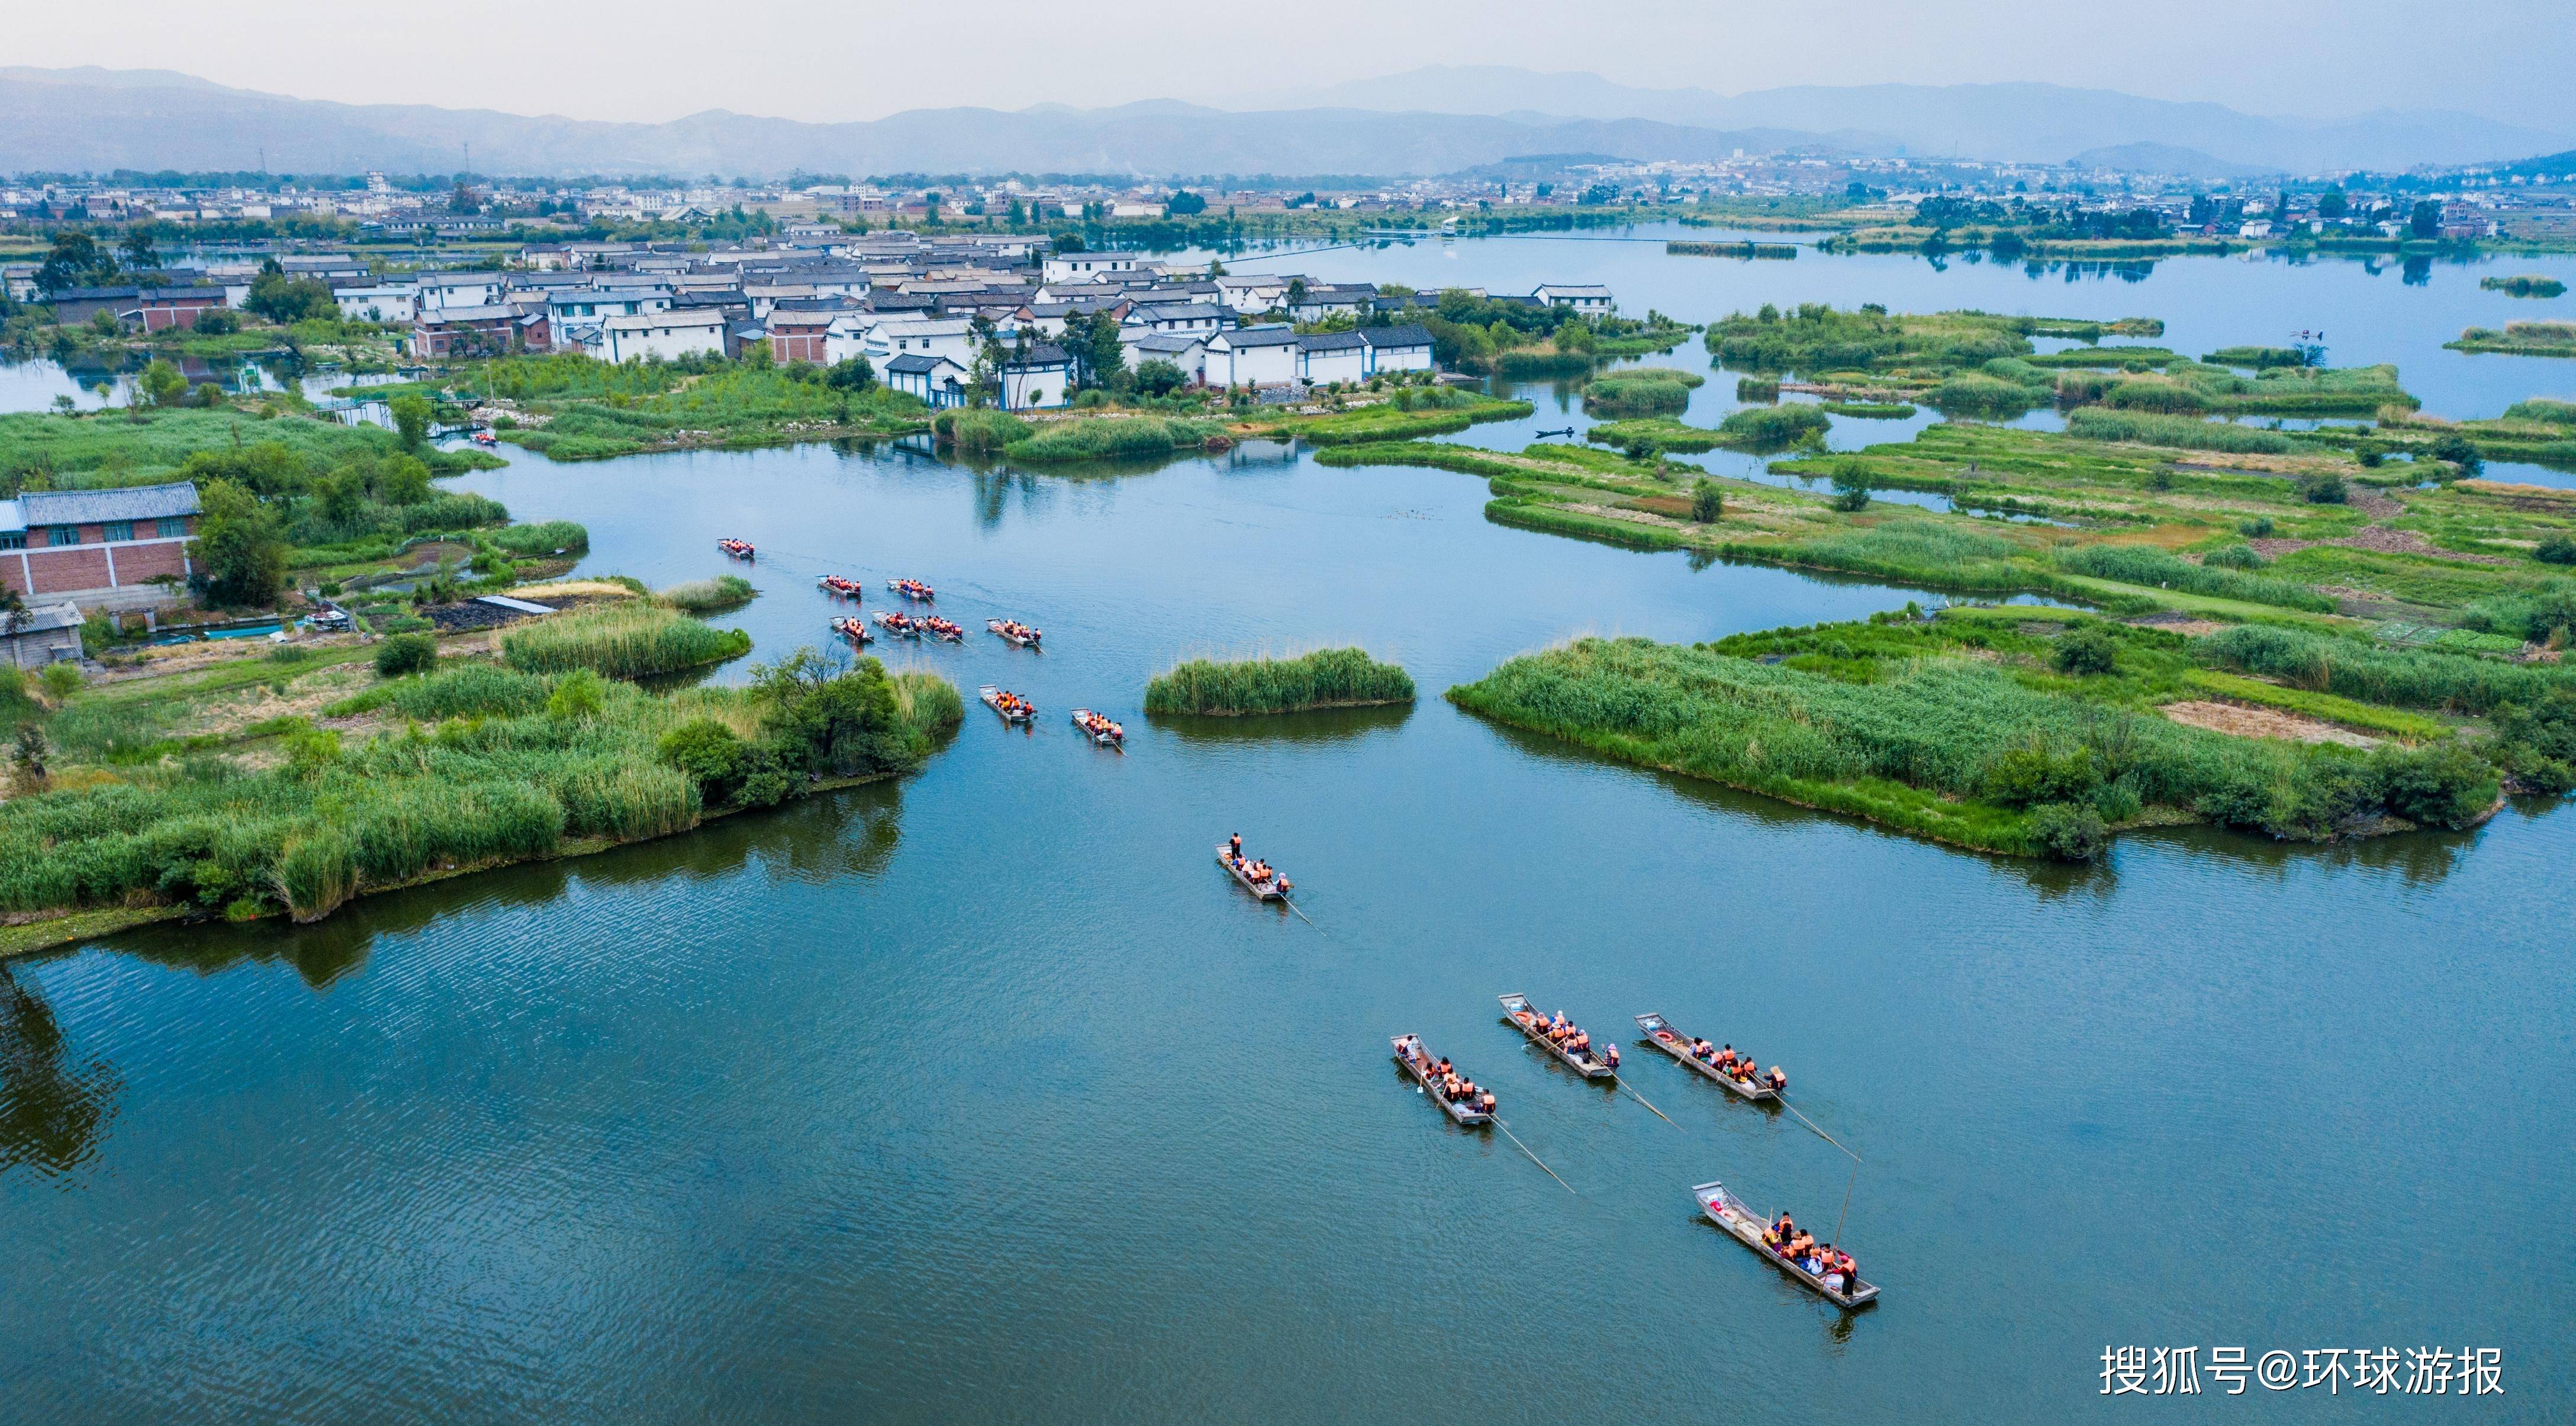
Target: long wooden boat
x=852 y=630
x=1661 y=1034
x=1025 y=637
x=1267 y=888
x=1418 y=1065
x=915 y=590
x=942 y=629
x=839 y=587
x=992 y=697
x=737 y=549
x=1524 y=1017
x=1728 y=1212
x=897 y=624
x=1103 y=739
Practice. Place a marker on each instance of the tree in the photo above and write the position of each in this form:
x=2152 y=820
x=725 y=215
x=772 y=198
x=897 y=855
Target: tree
x=2085 y=650
x=851 y=374
x=1157 y=377
x=464 y=200
x=1019 y=213
x=1851 y=486
x=240 y=546
x=411 y=420
x=138 y=252
x=1296 y=292
x=2426 y=221
x=1183 y=204
x=1097 y=354
x=2332 y=205
x=75 y=261
x=287 y=300
x=161 y=383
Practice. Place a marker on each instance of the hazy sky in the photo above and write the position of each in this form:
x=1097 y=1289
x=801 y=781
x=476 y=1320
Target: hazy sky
x=859 y=59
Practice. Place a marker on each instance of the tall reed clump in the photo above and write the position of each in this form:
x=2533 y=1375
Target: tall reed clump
x=1327 y=678
x=2137 y=564
x=1112 y=438
x=2407 y=678
x=542 y=538
x=978 y=432
x=2183 y=432
x=1769 y=428
x=710 y=596
x=627 y=640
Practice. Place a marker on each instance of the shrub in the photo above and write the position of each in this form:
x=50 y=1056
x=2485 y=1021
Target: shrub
x=2258 y=528
x=406 y=654
x=2557 y=549
x=2442 y=786
x=2323 y=490
x=2460 y=451
x=2039 y=771
x=577 y=695
x=710 y=753
x=2235 y=557
x=1708 y=501
x=2070 y=831
x=2085 y=650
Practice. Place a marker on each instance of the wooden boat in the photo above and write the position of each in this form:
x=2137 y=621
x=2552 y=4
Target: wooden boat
x=1661 y=1034
x=1524 y=1017
x=1024 y=637
x=1106 y=739
x=738 y=549
x=852 y=630
x=897 y=625
x=910 y=589
x=841 y=588
x=993 y=699
x=939 y=628
x=1418 y=1065
x=1267 y=888
x=1728 y=1212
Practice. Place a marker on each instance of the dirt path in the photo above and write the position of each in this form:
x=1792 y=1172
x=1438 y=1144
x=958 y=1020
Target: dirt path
x=2240 y=721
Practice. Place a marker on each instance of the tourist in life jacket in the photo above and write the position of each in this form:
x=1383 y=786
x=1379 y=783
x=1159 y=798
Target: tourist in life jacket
x=1610 y=1055
x=1779 y=1081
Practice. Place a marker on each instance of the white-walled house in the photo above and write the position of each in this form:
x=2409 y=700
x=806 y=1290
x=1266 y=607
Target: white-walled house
x=1253 y=356
x=667 y=335
x=950 y=337
x=1332 y=356
x=382 y=302
x=1258 y=292
x=1182 y=350
x=1320 y=302
x=1165 y=319
x=1397 y=348
x=1038 y=381
x=1084 y=267
x=575 y=313
x=460 y=289
x=935 y=379
x=850 y=336
x=1582 y=297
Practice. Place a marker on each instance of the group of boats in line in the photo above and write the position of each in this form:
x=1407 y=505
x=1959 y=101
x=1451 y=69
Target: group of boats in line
x=904 y=625
x=1827 y=1270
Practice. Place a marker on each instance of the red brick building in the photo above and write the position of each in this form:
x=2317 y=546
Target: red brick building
x=798 y=333
x=165 y=307
x=96 y=545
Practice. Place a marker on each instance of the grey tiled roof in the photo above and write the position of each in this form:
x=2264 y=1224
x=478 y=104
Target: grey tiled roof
x=86 y=507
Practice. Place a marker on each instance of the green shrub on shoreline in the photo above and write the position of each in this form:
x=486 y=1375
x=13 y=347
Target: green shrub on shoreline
x=1327 y=678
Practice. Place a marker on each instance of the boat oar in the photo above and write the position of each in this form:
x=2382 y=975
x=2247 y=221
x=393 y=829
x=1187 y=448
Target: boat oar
x=1837 y=1143
x=1302 y=916
x=1641 y=1099
x=1533 y=1158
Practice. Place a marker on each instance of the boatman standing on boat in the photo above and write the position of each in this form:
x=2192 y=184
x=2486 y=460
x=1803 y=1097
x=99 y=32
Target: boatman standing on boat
x=1234 y=844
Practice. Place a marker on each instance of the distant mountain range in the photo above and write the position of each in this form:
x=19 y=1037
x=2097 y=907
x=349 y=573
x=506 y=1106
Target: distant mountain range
x=2026 y=122
x=1428 y=122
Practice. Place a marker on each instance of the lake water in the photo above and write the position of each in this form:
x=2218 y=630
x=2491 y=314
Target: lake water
x=986 y=1096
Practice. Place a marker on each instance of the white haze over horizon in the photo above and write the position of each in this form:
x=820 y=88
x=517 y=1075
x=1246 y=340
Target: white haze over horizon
x=827 y=60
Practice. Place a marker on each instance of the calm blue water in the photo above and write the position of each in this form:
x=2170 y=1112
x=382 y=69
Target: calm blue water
x=986 y=1097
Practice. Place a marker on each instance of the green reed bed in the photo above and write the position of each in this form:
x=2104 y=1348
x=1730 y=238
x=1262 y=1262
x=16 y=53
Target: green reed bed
x=2093 y=423
x=486 y=766
x=2141 y=565
x=1327 y=678
x=1642 y=391
x=1113 y=438
x=1954 y=749
x=623 y=640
